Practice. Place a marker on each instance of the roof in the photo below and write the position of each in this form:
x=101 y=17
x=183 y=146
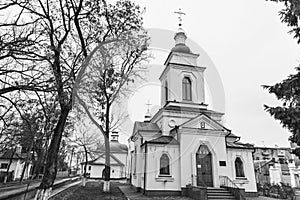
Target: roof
x=113 y=158
x=239 y=145
x=214 y=121
x=262 y=163
x=146 y=126
x=7 y=154
x=164 y=140
x=276 y=148
x=115 y=147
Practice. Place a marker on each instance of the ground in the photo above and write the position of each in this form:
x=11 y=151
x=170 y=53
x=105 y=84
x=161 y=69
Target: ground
x=93 y=191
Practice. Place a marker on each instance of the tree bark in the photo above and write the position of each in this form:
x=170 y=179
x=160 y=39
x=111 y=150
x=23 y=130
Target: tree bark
x=85 y=165
x=106 y=185
x=45 y=187
x=70 y=170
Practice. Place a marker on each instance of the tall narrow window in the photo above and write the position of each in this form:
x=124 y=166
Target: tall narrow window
x=135 y=161
x=164 y=165
x=186 y=89
x=239 y=167
x=166 y=91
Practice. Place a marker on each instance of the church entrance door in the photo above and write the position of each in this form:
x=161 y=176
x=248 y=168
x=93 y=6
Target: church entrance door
x=204 y=167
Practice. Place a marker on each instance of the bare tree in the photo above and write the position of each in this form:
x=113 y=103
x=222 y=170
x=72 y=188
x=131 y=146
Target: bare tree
x=45 y=45
x=85 y=138
x=106 y=81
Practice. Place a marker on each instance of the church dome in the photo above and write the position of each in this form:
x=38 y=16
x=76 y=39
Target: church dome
x=182 y=48
x=180 y=38
x=115 y=147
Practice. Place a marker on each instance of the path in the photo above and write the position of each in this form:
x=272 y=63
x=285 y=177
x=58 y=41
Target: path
x=131 y=194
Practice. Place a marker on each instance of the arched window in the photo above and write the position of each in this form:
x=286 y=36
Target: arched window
x=186 y=89
x=239 y=167
x=164 y=165
x=166 y=91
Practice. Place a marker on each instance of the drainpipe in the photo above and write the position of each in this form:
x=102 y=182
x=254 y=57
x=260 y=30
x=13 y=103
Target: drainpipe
x=145 y=168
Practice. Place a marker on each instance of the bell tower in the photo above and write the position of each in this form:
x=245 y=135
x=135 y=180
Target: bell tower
x=182 y=80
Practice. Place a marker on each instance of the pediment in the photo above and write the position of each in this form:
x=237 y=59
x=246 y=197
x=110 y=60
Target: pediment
x=203 y=122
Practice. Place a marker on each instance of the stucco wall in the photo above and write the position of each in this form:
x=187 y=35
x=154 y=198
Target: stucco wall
x=153 y=180
x=246 y=156
x=96 y=171
x=17 y=167
x=190 y=143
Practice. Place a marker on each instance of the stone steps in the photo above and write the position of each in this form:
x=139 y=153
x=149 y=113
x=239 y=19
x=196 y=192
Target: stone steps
x=219 y=193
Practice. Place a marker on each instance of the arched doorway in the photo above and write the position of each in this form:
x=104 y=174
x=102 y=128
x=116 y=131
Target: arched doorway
x=204 y=167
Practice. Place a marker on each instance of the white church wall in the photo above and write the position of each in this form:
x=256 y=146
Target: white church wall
x=96 y=171
x=165 y=124
x=154 y=180
x=190 y=143
x=123 y=158
x=176 y=74
x=137 y=164
x=246 y=156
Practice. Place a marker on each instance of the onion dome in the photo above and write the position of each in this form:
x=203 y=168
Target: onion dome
x=180 y=38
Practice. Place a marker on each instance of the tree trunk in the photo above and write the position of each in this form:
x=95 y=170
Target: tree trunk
x=23 y=170
x=70 y=169
x=106 y=185
x=85 y=165
x=44 y=190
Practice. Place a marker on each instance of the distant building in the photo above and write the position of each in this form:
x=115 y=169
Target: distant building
x=118 y=157
x=15 y=161
x=275 y=165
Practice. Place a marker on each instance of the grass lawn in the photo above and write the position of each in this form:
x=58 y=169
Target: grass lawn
x=93 y=190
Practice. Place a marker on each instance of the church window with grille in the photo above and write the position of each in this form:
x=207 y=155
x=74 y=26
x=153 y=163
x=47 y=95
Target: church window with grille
x=164 y=165
x=239 y=167
x=186 y=89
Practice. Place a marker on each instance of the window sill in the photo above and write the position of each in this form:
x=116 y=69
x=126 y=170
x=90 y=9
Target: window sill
x=241 y=180
x=164 y=178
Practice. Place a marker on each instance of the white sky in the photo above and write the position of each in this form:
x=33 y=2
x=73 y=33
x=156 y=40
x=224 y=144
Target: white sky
x=249 y=47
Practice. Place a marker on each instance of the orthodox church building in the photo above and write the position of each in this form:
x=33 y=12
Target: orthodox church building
x=184 y=143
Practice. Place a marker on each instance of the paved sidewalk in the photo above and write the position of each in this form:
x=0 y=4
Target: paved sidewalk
x=8 y=192
x=63 y=188
x=260 y=198
x=131 y=194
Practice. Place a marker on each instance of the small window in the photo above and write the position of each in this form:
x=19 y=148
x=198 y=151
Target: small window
x=4 y=166
x=135 y=161
x=164 y=165
x=90 y=167
x=186 y=89
x=239 y=167
x=166 y=91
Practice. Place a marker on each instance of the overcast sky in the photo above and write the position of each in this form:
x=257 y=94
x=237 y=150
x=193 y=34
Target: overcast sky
x=248 y=47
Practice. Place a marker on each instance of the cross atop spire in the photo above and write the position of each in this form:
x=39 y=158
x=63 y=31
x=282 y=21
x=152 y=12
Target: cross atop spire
x=180 y=13
x=148 y=105
x=148 y=114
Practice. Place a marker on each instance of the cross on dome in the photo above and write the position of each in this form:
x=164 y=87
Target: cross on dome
x=148 y=114
x=148 y=105
x=180 y=13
